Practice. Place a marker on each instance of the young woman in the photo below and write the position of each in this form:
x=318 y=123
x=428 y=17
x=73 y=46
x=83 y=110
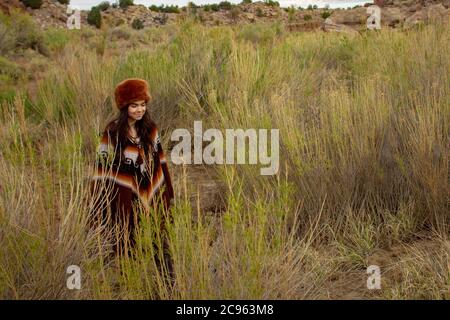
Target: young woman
x=132 y=163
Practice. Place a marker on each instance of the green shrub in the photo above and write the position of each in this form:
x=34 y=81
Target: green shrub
x=7 y=38
x=21 y=32
x=122 y=32
x=171 y=9
x=191 y=4
x=291 y=13
x=94 y=17
x=6 y=95
x=307 y=17
x=259 y=12
x=192 y=8
x=9 y=68
x=56 y=39
x=104 y=5
x=64 y=1
x=164 y=8
x=225 y=5
x=246 y=1
x=125 y=3
x=137 y=24
x=214 y=7
x=259 y=33
x=325 y=14
x=272 y=3
x=34 y=4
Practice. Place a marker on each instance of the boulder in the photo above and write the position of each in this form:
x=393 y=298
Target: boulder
x=353 y=17
x=392 y=16
x=435 y=13
x=330 y=26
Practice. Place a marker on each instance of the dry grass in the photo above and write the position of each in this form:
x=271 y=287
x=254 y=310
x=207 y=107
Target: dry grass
x=364 y=165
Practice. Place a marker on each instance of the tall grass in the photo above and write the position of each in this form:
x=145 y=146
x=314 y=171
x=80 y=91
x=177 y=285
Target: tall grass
x=363 y=148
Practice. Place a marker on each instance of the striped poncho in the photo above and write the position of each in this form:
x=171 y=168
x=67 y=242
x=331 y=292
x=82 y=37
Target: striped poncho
x=135 y=174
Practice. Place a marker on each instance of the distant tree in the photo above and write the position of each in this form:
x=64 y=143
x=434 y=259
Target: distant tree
x=192 y=5
x=137 y=24
x=192 y=8
x=272 y=3
x=33 y=4
x=325 y=14
x=171 y=9
x=103 y=5
x=154 y=7
x=64 y=1
x=166 y=9
x=125 y=3
x=94 y=17
x=225 y=5
x=246 y=1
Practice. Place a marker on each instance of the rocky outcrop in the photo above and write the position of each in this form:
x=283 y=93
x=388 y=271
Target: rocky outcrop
x=7 y=5
x=117 y=16
x=436 y=13
x=394 y=13
x=330 y=25
x=51 y=14
x=353 y=18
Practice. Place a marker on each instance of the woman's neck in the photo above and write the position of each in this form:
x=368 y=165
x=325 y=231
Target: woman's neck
x=131 y=122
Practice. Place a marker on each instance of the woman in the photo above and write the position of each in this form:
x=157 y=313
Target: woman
x=132 y=162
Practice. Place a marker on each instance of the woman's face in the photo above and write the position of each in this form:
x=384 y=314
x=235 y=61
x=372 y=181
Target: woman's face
x=137 y=109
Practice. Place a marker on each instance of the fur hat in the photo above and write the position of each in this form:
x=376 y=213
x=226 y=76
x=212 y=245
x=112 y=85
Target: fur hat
x=130 y=90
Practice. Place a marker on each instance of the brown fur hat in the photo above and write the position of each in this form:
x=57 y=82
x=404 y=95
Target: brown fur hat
x=130 y=90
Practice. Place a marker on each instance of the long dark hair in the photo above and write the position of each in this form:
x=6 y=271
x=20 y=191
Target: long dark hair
x=118 y=129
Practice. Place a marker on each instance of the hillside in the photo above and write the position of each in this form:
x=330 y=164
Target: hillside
x=395 y=13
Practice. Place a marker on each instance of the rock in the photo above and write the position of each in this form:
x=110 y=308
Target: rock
x=392 y=16
x=330 y=26
x=435 y=13
x=355 y=17
x=7 y=5
x=394 y=13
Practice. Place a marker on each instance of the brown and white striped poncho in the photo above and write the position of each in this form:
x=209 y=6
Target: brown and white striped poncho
x=135 y=174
